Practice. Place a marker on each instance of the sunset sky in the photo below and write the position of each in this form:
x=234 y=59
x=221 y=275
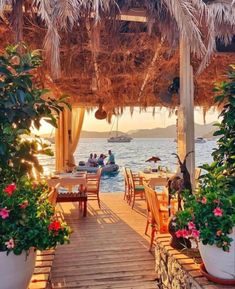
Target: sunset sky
x=138 y=120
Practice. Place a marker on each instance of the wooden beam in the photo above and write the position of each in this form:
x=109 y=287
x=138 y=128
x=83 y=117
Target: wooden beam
x=186 y=136
x=133 y=15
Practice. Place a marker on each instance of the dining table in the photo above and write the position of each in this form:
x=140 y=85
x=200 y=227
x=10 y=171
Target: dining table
x=68 y=180
x=154 y=179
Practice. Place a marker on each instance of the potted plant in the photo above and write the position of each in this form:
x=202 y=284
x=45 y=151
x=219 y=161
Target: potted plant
x=209 y=214
x=27 y=221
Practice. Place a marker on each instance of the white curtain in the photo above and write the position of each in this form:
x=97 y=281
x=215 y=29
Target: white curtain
x=67 y=136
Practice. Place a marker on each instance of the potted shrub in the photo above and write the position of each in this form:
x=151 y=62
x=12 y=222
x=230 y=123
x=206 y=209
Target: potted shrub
x=209 y=214
x=27 y=221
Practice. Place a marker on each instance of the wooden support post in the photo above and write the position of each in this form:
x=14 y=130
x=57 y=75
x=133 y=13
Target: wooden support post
x=186 y=110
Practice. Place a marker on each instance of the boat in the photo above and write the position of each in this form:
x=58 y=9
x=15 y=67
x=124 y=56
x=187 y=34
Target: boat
x=200 y=140
x=107 y=169
x=119 y=138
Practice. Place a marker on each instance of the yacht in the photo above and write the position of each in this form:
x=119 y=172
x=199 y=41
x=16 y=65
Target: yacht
x=119 y=138
x=200 y=140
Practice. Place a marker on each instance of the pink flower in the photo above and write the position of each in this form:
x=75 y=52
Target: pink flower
x=204 y=200
x=24 y=204
x=10 y=244
x=178 y=233
x=185 y=233
x=182 y=233
x=10 y=189
x=4 y=213
x=218 y=212
x=191 y=226
x=195 y=233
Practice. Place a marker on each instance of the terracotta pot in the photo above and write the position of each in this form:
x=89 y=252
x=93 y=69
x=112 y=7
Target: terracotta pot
x=16 y=270
x=219 y=263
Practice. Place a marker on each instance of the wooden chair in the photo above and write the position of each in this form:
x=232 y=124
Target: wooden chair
x=163 y=198
x=136 y=187
x=127 y=193
x=197 y=176
x=93 y=186
x=158 y=213
x=197 y=173
x=52 y=196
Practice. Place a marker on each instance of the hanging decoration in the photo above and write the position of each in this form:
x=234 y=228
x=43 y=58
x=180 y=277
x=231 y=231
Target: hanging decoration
x=100 y=113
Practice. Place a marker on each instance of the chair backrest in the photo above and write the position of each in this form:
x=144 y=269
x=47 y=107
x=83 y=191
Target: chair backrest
x=93 y=180
x=130 y=177
x=197 y=173
x=160 y=218
x=52 y=195
x=127 y=176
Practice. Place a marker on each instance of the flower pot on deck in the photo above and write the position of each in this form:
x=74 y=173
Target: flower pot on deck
x=219 y=263
x=16 y=270
x=175 y=242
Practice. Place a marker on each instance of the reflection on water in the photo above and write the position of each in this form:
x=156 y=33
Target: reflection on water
x=133 y=155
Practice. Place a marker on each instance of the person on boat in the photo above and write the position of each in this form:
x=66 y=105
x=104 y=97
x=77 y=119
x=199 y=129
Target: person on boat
x=90 y=161
x=111 y=159
x=101 y=160
x=95 y=161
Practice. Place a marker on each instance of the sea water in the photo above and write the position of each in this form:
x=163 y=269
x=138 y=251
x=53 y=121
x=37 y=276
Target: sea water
x=132 y=155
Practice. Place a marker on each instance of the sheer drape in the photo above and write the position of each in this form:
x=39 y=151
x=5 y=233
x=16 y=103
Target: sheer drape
x=67 y=136
x=62 y=140
x=76 y=127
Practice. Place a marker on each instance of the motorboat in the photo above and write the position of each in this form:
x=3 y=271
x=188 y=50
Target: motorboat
x=120 y=139
x=200 y=140
x=107 y=169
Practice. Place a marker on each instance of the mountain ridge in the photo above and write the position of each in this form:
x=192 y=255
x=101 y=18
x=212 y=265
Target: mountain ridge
x=205 y=131
x=167 y=132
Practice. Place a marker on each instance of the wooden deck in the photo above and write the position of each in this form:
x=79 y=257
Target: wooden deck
x=108 y=248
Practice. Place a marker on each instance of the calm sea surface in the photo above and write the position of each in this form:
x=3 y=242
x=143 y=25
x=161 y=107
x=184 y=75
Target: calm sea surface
x=133 y=155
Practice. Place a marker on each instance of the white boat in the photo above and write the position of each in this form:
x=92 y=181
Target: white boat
x=108 y=169
x=200 y=140
x=119 y=138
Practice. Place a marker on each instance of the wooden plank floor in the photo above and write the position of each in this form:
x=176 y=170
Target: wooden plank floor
x=108 y=248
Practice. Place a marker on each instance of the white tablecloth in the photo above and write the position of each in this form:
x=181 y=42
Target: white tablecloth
x=156 y=179
x=68 y=180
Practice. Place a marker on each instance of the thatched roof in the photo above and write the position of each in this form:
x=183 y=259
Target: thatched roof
x=118 y=62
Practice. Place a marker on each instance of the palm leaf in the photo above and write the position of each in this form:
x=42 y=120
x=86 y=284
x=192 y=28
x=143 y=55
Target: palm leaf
x=187 y=15
x=3 y=4
x=221 y=16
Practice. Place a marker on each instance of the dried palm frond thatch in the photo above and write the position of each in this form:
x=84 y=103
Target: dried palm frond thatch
x=169 y=17
x=96 y=57
x=221 y=16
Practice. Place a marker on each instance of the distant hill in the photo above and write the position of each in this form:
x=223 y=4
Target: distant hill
x=158 y=132
x=205 y=131
x=97 y=134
